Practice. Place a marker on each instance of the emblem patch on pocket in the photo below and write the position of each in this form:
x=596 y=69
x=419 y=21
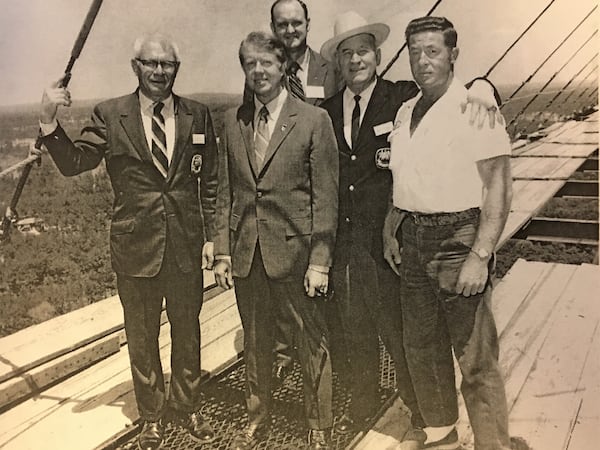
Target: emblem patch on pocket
x=382 y=158
x=196 y=164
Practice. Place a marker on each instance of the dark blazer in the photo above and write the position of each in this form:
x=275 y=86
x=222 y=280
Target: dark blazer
x=289 y=206
x=320 y=73
x=365 y=187
x=148 y=209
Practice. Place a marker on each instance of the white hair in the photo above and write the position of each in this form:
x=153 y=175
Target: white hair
x=165 y=41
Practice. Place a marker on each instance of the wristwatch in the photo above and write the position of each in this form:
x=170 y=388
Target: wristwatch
x=482 y=253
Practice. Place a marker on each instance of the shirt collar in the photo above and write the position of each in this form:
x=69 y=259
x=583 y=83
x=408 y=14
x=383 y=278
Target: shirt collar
x=147 y=104
x=274 y=106
x=365 y=95
x=303 y=60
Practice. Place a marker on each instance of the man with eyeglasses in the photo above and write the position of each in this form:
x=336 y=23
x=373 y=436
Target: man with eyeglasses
x=161 y=156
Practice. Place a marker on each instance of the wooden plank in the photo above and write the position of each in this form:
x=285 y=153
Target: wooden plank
x=520 y=282
x=551 y=397
x=523 y=337
x=38 y=378
x=567 y=151
x=389 y=429
x=521 y=164
x=586 y=430
x=515 y=221
x=560 y=130
x=531 y=195
x=565 y=171
x=546 y=168
x=517 y=286
x=38 y=344
x=98 y=403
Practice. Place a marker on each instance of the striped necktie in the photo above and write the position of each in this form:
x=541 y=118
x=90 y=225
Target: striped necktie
x=295 y=84
x=355 y=126
x=159 y=140
x=261 y=139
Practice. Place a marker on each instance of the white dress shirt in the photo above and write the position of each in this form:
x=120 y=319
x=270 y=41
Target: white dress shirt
x=274 y=108
x=348 y=107
x=435 y=169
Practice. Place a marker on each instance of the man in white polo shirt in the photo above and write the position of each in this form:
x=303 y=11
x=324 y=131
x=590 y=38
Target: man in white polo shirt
x=451 y=198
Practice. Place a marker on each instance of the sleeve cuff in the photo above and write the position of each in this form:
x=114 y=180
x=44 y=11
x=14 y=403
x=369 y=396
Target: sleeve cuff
x=320 y=269
x=48 y=128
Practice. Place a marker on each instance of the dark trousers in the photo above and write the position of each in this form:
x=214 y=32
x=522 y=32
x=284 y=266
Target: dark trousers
x=437 y=321
x=367 y=297
x=260 y=301
x=142 y=303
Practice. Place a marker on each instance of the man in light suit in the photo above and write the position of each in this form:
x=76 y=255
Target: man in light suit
x=161 y=156
x=276 y=221
x=311 y=78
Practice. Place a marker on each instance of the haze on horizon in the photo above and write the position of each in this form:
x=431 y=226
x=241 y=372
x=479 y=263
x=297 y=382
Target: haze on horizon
x=38 y=36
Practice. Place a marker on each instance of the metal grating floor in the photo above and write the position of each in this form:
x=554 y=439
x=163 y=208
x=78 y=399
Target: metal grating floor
x=224 y=406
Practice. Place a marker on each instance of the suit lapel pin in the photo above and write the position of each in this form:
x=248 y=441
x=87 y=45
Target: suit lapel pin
x=196 y=164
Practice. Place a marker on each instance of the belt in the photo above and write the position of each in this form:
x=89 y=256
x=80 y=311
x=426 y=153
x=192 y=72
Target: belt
x=442 y=218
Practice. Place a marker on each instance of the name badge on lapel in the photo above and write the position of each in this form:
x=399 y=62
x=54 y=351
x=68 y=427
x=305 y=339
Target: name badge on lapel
x=196 y=165
x=315 y=92
x=382 y=158
x=198 y=138
x=383 y=128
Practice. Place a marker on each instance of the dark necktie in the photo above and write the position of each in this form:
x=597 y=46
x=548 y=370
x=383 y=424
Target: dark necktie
x=159 y=140
x=261 y=140
x=355 y=121
x=295 y=84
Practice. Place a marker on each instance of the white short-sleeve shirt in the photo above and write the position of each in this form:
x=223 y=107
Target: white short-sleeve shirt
x=435 y=170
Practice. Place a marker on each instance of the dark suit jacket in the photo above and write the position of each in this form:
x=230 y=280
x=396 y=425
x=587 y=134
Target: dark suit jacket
x=148 y=209
x=365 y=187
x=290 y=205
x=320 y=73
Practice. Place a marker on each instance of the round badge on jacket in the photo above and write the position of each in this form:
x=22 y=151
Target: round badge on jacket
x=196 y=164
x=382 y=158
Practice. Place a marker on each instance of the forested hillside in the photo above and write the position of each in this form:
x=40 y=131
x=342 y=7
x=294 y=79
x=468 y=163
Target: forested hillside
x=68 y=265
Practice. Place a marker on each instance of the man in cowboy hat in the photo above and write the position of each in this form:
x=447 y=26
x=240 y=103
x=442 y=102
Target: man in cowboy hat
x=366 y=287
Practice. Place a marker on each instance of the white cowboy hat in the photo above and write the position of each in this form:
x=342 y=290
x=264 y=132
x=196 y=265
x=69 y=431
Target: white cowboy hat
x=350 y=24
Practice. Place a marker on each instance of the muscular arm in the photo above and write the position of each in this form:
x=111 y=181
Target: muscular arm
x=391 y=246
x=497 y=181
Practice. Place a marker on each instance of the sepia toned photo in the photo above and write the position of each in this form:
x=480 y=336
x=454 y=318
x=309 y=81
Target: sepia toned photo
x=299 y=224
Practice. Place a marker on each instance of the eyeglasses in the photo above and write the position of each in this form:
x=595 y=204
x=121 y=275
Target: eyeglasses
x=153 y=64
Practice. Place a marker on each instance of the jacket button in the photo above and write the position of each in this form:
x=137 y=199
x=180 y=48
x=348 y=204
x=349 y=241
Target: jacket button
x=259 y=194
x=353 y=157
x=351 y=188
x=347 y=219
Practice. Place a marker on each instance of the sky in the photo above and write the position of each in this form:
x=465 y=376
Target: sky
x=37 y=36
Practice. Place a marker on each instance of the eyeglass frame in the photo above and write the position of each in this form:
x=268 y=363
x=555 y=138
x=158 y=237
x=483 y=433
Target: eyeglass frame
x=153 y=64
